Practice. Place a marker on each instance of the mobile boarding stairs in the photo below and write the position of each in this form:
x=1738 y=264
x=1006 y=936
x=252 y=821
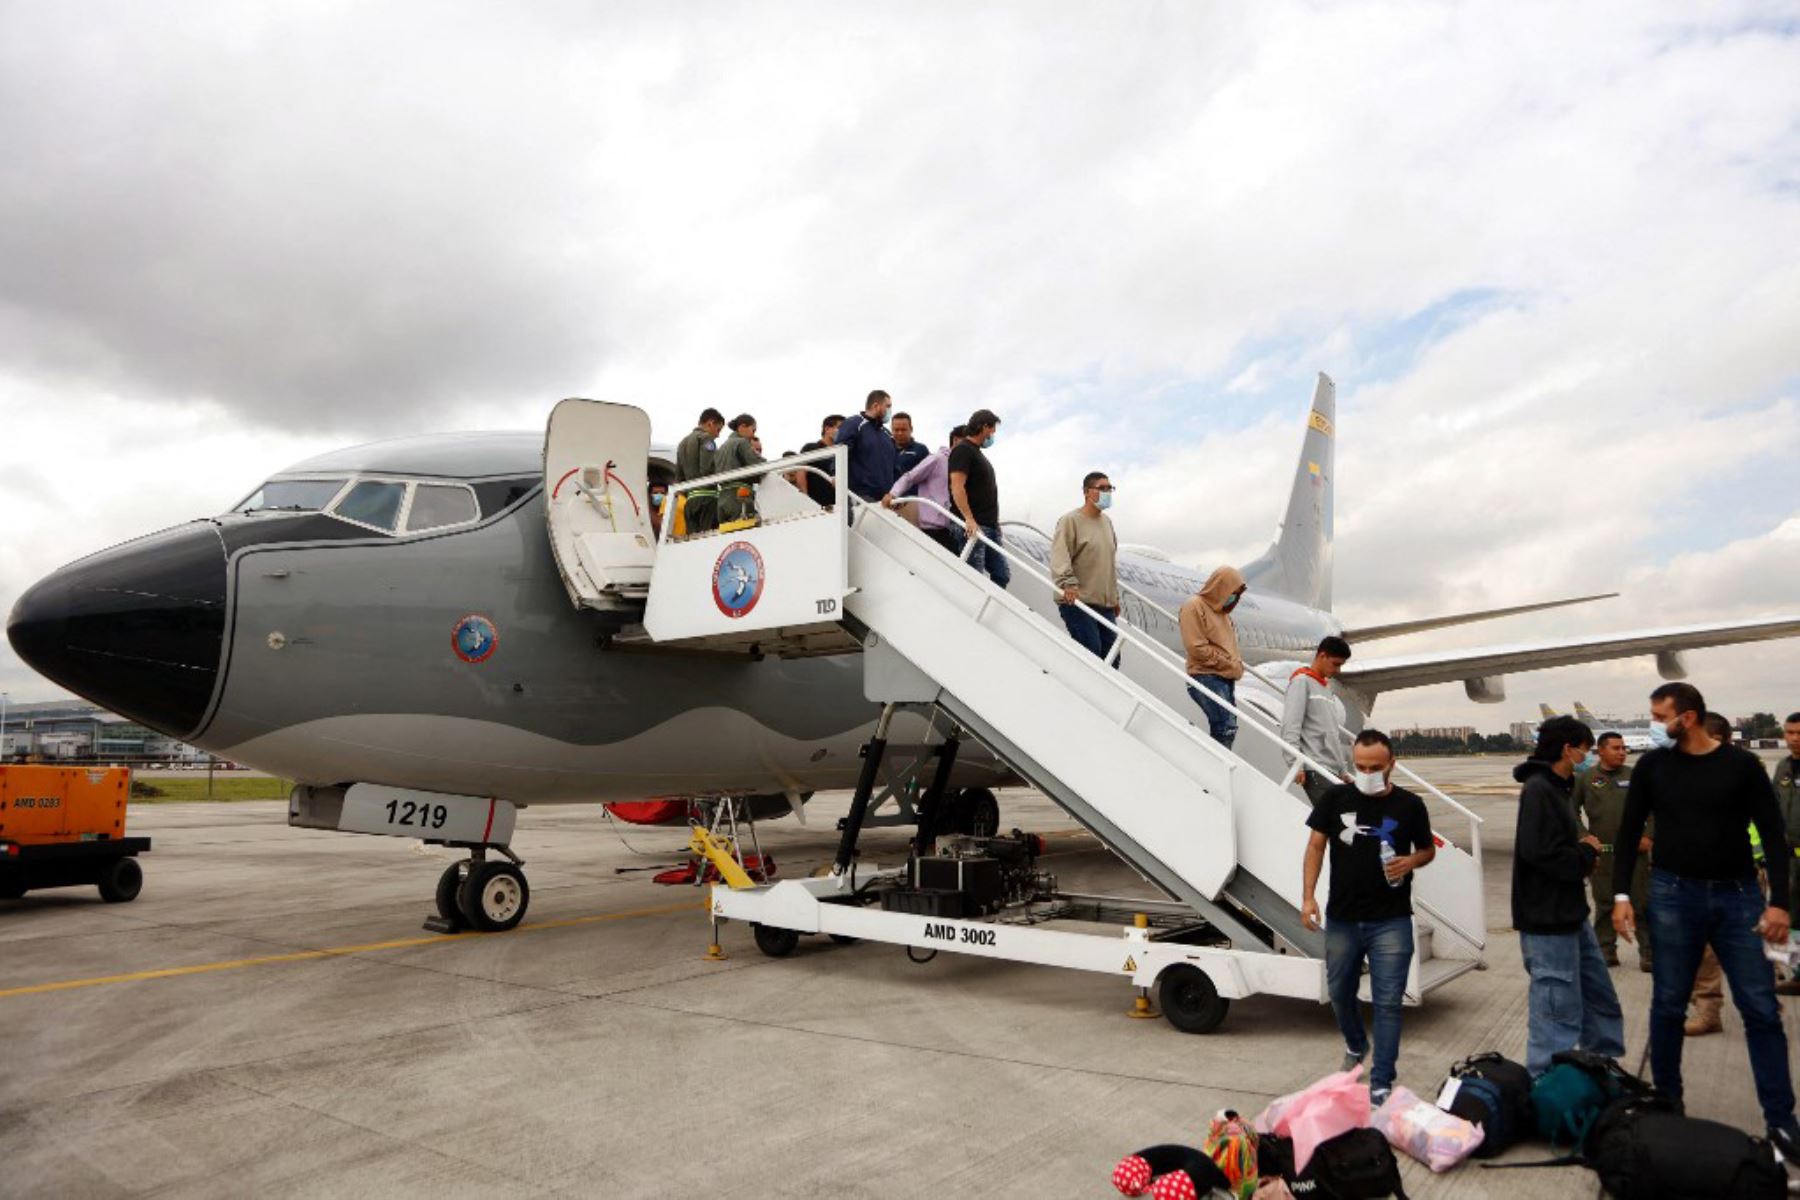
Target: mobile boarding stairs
x=1116 y=749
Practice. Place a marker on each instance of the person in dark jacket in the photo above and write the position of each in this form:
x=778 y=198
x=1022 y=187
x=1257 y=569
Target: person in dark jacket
x=1572 y=1003
x=872 y=452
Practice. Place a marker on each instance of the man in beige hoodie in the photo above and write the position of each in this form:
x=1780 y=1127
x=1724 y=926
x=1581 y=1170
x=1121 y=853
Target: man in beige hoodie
x=1213 y=661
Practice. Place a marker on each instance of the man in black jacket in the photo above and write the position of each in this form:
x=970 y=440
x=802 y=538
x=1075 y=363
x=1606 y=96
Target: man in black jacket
x=1703 y=892
x=1572 y=1004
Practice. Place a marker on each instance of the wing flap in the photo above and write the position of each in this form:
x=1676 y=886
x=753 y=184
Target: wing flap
x=1455 y=666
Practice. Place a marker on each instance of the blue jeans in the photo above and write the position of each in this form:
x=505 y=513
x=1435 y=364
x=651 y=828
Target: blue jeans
x=1687 y=915
x=983 y=559
x=1572 y=1004
x=1096 y=637
x=1387 y=946
x=1221 y=722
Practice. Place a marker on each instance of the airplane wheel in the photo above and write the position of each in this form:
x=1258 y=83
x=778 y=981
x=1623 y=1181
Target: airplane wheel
x=1190 y=1001
x=977 y=813
x=494 y=897
x=776 y=943
x=448 y=885
x=121 y=881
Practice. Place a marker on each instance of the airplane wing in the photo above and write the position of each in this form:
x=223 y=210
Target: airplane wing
x=1477 y=669
x=1369 y=633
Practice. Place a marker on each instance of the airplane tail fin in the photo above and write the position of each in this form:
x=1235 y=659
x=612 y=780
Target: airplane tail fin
x=1547 y=712
x=1581 y=712
x=1298 y=564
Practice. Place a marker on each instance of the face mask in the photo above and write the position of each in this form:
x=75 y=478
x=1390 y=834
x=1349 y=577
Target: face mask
x=879 y=418
x=656 y=500
x=1370 y=783
x=1660 y=736
x=1105 y=501
x=1230 y=603
x=1588 y=763
x=987 y=443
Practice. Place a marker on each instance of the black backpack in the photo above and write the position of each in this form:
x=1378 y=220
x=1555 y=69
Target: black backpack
x=1645 y=1150
x=1358 y=1165
x=1495 y=1093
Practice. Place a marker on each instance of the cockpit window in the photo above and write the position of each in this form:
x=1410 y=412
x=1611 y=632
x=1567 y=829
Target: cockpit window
x=435 y=505
x=292 y=495
x=373 y=503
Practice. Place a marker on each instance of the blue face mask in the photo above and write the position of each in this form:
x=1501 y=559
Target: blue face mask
x=1660 y=736
x=1105 y=501
x=1589 y=763
x=1230 y=603
x=987 y=443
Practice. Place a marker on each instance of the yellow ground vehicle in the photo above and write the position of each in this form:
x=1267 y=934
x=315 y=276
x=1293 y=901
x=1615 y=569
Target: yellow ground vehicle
x=65 y=826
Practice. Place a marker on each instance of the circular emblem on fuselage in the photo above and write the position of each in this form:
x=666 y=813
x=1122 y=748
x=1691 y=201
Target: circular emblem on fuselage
x=474 y=638
x=737 y=582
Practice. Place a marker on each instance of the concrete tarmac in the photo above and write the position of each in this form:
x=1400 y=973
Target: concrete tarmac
x=269 y=1019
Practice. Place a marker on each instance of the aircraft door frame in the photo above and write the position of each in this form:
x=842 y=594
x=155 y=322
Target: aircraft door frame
x=596 y=501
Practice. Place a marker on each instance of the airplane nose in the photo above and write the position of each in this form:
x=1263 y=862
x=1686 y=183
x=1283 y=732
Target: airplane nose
x=137 y=629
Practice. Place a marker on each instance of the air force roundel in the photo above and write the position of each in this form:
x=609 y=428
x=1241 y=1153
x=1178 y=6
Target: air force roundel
x=737 y=582
x=474 y=638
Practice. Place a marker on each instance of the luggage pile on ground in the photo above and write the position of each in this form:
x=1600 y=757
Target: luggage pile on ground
x=1324 y=1142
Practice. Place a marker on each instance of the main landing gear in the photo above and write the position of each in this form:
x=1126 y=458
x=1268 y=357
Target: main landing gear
x=480 y=894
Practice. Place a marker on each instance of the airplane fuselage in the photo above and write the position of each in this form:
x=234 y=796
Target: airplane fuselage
x=454 y=661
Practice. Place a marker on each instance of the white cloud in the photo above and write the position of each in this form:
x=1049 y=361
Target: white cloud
x=231 y=236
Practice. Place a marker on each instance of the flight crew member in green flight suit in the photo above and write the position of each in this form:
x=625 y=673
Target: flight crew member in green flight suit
x=737 y=498
x=695 y=458
x=1599 y=800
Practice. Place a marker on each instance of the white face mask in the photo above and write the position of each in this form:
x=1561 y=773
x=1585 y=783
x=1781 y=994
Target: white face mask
x=1660 y=737
x=1370 y=783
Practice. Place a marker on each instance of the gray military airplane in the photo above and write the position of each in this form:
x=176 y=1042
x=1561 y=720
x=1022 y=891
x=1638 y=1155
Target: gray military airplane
x=394 y=616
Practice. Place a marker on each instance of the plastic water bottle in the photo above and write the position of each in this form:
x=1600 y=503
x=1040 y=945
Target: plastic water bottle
x=1387 y=856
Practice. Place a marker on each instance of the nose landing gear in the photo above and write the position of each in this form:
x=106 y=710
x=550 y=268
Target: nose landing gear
x=477 y=894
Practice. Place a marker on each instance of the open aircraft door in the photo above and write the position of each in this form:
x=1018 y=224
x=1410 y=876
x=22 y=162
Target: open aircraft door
x=596 y=476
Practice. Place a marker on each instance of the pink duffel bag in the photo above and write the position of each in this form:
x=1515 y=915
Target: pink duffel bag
x=1318 y=1112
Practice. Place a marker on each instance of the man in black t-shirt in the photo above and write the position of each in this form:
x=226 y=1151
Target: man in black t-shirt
x=1379 y=835
x=820 y=492
x=1704 y=892
x=975 y=495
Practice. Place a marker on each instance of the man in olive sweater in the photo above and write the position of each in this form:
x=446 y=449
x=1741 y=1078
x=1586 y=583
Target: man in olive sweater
x=1084 y=562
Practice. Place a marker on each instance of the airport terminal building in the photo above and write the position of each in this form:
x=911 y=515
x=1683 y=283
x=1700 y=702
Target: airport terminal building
x=74 y=730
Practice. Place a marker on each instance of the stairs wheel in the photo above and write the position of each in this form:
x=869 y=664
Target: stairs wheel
x=977 y=813
x=776 y=943
x=1188 y=998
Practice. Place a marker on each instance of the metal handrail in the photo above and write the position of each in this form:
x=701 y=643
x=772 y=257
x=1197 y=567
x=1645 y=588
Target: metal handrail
x=1476 y=821
x=1344 y=729
x=1160 y=654
x=759 y=471
x=1142 y=639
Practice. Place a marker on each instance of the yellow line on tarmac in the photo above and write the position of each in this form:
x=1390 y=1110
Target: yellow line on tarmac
x=331 y=952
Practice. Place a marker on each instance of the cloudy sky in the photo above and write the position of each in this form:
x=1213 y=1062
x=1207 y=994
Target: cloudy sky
x=1550 y=253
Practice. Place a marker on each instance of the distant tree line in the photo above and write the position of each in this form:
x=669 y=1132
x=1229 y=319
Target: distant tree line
x=1475 y=743
x=1760 y=725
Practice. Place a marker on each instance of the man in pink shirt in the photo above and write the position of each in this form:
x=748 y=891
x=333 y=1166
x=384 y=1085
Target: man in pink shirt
x=930 y=480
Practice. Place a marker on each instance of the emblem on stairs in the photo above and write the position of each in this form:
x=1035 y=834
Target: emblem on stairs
x=737 y=581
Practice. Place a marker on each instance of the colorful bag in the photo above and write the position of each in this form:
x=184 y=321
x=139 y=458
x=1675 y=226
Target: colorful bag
x=1425 y=1132
x=1318 y=1112
x=1231 y=1143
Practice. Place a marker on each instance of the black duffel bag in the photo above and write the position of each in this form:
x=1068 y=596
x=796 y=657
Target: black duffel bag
x=1644 y=1150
